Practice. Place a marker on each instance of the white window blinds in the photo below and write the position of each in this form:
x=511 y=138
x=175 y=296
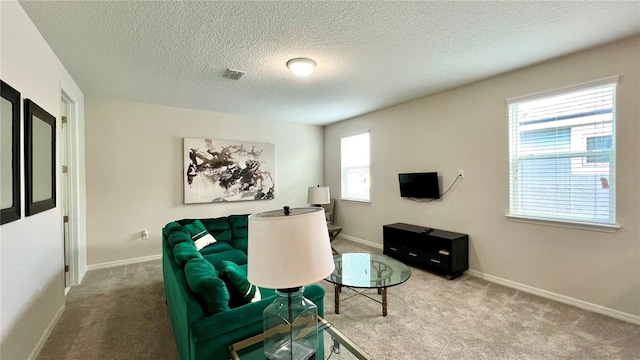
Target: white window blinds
x=562 y=154
x=354 y=153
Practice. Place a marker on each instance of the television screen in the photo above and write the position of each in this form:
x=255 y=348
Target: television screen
x=419 y=185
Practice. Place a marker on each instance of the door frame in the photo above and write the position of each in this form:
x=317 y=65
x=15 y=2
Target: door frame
x=76 y=242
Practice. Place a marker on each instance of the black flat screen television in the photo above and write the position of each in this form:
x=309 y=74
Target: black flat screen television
x=419 y=185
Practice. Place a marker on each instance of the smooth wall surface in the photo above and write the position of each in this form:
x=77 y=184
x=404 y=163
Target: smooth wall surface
x=31 y=249
x=134 y=155
x=467 y=128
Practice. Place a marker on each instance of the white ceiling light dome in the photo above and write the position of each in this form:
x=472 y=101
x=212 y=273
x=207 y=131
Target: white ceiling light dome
x=301 y=66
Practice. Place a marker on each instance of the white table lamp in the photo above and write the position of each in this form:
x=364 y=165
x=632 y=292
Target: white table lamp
x=318 y=195
x=287 y=250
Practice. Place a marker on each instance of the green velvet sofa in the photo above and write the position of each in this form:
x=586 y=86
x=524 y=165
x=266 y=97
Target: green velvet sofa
x=206 y=322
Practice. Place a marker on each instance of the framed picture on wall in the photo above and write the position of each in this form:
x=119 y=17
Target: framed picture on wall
x=221 y=171
x=10 y=154
x=40 y=158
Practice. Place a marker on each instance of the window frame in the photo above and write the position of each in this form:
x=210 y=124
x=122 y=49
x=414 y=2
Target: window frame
x=552 y=220
x=343 y=188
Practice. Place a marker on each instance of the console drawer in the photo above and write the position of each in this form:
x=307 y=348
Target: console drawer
x=395 y=250
x=437 y=261
x=405 y=253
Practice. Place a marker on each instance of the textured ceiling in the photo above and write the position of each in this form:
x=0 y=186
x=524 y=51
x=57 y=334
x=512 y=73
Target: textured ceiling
x=370 y=55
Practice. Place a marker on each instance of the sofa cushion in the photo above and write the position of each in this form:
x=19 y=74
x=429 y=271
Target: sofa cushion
x=196 y=229
x=209 y=289
x=235 y=256
x=184 y=252
x=241 y=243
x=220 y=246
x=219 y=228
x=240 y=289
x=177 y=236
x=239 y=225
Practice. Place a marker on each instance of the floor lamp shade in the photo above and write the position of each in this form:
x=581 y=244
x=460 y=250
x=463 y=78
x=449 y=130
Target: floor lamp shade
x=287 y=251
x=318 y=195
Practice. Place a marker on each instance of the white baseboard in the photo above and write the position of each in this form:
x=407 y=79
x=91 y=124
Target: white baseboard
x=616 y=314
x=360 y=241
x=599 y=309
x=124 y=262
x=46 y=334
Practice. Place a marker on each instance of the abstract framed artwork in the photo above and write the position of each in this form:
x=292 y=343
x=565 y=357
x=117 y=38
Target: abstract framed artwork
x=10 y=154
x=40 y=158
x=221 y=171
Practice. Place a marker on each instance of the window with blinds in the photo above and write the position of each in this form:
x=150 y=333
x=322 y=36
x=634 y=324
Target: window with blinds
x=562 y=154
x=354 y=168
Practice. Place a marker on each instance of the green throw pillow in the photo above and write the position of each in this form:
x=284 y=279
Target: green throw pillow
x=241 y=290
x=199 y=234
x=184 y=252
x=203 y=280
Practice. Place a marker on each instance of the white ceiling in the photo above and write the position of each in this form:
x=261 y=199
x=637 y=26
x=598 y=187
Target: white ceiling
x=370 y=55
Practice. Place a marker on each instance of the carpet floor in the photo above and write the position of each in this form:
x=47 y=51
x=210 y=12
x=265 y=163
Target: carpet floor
x=120 y=313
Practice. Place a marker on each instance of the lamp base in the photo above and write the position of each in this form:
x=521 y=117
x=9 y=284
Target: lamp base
x=299 y=352
x=290 y=326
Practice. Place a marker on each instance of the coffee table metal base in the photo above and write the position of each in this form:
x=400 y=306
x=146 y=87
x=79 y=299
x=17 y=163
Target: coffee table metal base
x=337 y=289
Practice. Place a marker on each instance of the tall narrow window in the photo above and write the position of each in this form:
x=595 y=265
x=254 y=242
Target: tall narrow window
x=562 y=154
x=354 y=151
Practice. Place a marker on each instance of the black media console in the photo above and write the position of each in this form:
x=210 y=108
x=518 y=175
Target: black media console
x=440 y=251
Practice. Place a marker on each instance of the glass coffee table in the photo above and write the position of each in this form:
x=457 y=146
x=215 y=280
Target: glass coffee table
x=336 y=346
x=367 y=271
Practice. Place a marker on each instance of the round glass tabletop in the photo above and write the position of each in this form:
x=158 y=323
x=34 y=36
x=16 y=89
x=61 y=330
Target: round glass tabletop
x=361 y=270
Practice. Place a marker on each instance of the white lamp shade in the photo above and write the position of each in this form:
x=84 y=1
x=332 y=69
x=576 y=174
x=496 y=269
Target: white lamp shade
x=289 y=251
x=301 y=66
x=318 y=195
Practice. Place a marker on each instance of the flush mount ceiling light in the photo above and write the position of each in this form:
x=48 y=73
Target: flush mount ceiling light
x=301 y=66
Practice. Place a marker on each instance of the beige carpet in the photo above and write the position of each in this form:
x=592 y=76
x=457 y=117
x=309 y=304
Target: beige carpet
x=116 y=313
x=119 y=313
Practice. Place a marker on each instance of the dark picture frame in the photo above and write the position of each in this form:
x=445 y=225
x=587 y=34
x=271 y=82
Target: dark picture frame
x=10 y=154
x=40 y=159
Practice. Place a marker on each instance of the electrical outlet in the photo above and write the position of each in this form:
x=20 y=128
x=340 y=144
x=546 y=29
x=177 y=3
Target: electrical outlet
x=144 y=234
x=461 y=174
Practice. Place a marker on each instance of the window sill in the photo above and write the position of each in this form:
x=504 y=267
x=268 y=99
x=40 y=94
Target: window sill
x=356 y=201
x=612 y=229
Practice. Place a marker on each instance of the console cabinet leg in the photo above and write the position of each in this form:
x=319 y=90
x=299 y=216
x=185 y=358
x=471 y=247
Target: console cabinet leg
x=336 y=292
x=451 y=277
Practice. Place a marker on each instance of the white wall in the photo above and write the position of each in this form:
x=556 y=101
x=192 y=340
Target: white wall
x=467 y=128
x=134 y=154
x=31 y=256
